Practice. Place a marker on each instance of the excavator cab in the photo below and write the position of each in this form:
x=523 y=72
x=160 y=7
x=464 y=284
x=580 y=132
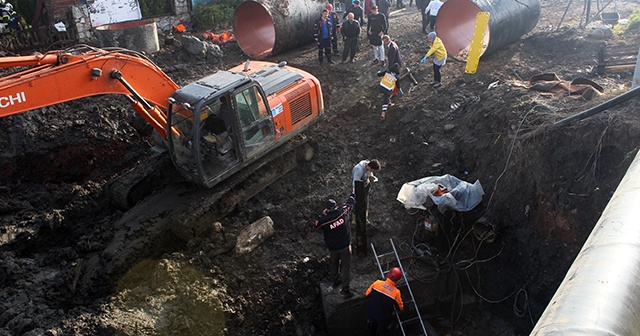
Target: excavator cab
x=217 y=130
x=213 y=127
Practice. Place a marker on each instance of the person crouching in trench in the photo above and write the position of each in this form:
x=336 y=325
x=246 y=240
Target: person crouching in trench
x=389 y=86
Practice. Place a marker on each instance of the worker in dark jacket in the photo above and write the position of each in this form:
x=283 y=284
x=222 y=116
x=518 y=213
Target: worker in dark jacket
x=422 y=4
x=383 y=296
x=383 y=7
x=357 y=11
x=350 y=35
x=335 y=27
x=334 y=223
x=323 y=35
x=393 y=53
x=377 y=27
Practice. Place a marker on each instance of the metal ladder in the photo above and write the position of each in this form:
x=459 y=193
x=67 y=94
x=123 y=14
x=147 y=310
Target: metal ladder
x=384 y=275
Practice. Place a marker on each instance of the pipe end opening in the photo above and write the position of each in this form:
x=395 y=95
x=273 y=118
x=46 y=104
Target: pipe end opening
x=254 y=29
x=455 y=26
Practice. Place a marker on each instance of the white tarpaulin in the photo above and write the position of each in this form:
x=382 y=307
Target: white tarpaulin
x=104 y=12
x=462 y=196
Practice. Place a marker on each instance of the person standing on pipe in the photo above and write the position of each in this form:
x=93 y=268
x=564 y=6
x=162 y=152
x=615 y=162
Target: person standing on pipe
x=439 y=51
x=433 y=8
x=378 y=26
x=362 y=177
x=357 y=11
x=364 y=172
x=322 y=34
x=335 y=28
x=350 y=35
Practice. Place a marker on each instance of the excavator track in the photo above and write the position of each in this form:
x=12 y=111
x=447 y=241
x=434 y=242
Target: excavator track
x=141 y=181
x=167 y=219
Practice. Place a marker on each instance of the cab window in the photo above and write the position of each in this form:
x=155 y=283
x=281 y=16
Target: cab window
x=251 y=110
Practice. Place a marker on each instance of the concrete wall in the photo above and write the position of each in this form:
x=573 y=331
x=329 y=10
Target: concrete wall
x=57 y=9
x=82 y=21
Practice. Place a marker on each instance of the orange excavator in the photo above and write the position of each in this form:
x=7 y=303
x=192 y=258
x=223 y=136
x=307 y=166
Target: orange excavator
x=212 y=128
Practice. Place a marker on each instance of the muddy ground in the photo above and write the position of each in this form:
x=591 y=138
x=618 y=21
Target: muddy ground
x=543 y=195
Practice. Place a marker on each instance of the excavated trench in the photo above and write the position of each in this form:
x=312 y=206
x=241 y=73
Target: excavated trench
x=555 y=207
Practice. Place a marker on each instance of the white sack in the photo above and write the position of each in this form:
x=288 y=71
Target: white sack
x=463 y=196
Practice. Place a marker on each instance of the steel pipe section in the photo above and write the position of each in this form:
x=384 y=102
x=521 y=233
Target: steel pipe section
x=508 y=21
x=269 y=27
x=600 y=295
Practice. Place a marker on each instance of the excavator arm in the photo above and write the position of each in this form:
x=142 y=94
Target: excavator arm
x=58 y=76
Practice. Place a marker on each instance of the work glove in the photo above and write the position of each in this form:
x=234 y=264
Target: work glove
x=373 y=179
x=424 y=59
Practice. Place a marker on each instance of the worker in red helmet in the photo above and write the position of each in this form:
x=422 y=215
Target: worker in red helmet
x=383 y=297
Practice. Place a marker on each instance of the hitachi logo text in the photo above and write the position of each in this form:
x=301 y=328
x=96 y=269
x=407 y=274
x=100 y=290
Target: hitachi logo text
x=10 y=100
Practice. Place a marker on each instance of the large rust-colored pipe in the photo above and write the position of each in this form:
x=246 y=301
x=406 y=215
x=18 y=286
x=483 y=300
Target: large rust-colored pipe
x=269 y=27
x=508 y=21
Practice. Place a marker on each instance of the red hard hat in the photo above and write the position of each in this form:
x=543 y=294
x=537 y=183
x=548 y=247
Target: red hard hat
x=329 y=6
x=395 y=274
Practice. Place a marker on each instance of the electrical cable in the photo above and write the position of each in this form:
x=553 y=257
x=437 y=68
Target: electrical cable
x=471 y=263
x=520 y=312
x=425 y=266
x=506 y=165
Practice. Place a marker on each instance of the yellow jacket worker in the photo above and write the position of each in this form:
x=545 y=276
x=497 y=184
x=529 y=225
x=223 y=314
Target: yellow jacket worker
x=439 y=59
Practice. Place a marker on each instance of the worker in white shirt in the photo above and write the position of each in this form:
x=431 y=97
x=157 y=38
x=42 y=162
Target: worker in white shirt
x=432 y=9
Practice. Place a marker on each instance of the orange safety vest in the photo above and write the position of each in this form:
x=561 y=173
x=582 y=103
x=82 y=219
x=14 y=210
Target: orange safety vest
x=383 y=295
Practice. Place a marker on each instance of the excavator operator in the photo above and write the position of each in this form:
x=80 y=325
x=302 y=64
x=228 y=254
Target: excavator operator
x=217 y=127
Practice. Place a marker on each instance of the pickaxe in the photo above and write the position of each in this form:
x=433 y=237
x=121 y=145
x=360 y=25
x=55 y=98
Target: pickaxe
x=410 y=74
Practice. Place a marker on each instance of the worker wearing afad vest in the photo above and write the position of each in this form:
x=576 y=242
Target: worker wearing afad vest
x=389 y=86
x=383 y=297
x=334 y=223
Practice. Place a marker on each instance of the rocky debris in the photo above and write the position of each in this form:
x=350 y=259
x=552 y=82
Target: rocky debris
x=199 y=48
x=254 y=235
x=601 y=33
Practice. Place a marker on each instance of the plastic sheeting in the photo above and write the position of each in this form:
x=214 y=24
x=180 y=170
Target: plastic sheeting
x=462 y=196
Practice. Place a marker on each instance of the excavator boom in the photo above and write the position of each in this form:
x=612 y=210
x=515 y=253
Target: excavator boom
x=218 y=125
x=57 y=77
